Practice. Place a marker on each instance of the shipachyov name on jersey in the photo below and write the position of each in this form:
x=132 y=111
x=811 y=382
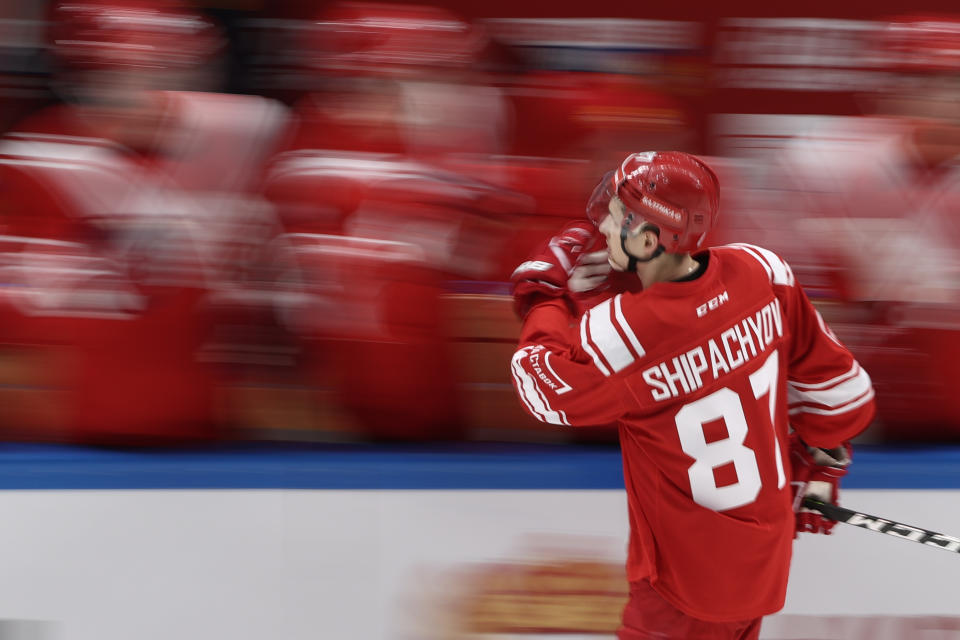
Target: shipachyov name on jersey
x=719 y=355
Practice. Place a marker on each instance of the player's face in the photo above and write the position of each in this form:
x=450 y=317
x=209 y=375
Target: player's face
x=610 y=228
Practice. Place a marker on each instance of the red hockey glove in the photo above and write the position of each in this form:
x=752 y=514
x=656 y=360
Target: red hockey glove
x=560 y=267
x=816 y=474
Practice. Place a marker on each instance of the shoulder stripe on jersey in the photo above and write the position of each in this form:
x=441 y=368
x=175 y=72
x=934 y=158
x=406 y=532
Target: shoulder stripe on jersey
x=763 y=263
x=837 y=395
x=604 y=335
x=778 y=270
x=587 y=346
x=532 y=395
x=627 y=330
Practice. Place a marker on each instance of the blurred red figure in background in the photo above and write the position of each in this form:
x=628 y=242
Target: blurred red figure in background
x=397 y=78
x=397 y=100
x=386 y=237
x=876 y=197
x=135 y=183
x=404 y=140
x=387 y=172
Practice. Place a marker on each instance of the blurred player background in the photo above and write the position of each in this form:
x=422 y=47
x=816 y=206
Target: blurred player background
x=295 y=220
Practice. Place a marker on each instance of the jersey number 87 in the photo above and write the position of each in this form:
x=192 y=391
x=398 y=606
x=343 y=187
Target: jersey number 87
x=726 y=404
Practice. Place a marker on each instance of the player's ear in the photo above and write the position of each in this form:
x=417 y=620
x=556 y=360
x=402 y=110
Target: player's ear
x=651 y=240
x=646 y=242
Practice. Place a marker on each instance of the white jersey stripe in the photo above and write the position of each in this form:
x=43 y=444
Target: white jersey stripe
x=531 y=394
x=809 y=386
x=518 y=380
x=835 y=396
x=521 y=393
x=781 y=270
x=58 y=152
x=588 y=348
x=627 y=330
x=756 y=256
x=566 y=387
x=777 y=270
x=604 y=335
x=832 y=412
x=553 y=417
x=561 y=257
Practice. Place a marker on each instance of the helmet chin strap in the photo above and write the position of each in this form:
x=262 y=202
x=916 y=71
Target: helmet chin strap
x=632 y=260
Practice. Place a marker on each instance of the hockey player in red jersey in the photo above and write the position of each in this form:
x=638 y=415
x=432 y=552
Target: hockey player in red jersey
x=129 y=217
x=733 y=399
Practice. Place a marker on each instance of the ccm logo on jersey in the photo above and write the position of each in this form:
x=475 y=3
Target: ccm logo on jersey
x=712 y=304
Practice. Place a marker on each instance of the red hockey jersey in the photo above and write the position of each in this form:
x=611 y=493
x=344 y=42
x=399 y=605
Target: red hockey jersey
x=705 y=378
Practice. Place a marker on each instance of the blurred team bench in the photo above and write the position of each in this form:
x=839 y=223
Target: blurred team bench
x=478 y=339
x=443 y=375
x=368 y=342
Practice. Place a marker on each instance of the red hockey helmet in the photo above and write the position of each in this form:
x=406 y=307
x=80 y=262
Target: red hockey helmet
x=131 y=34
x=922 y=43
x=672 y=190
x=391 y=39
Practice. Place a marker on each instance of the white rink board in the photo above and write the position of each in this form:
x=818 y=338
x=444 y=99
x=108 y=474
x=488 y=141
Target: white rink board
x=345 y=565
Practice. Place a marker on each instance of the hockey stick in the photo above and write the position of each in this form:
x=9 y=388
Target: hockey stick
x=882 y=525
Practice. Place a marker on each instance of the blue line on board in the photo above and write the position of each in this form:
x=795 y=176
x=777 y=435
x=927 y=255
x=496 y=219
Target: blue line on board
x=448 y=466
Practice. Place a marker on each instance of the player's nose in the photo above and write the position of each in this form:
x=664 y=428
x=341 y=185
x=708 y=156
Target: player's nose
x=606 y=225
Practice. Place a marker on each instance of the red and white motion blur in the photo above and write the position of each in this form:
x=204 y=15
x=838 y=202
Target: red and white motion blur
x=876 y=197
x=126 y=208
